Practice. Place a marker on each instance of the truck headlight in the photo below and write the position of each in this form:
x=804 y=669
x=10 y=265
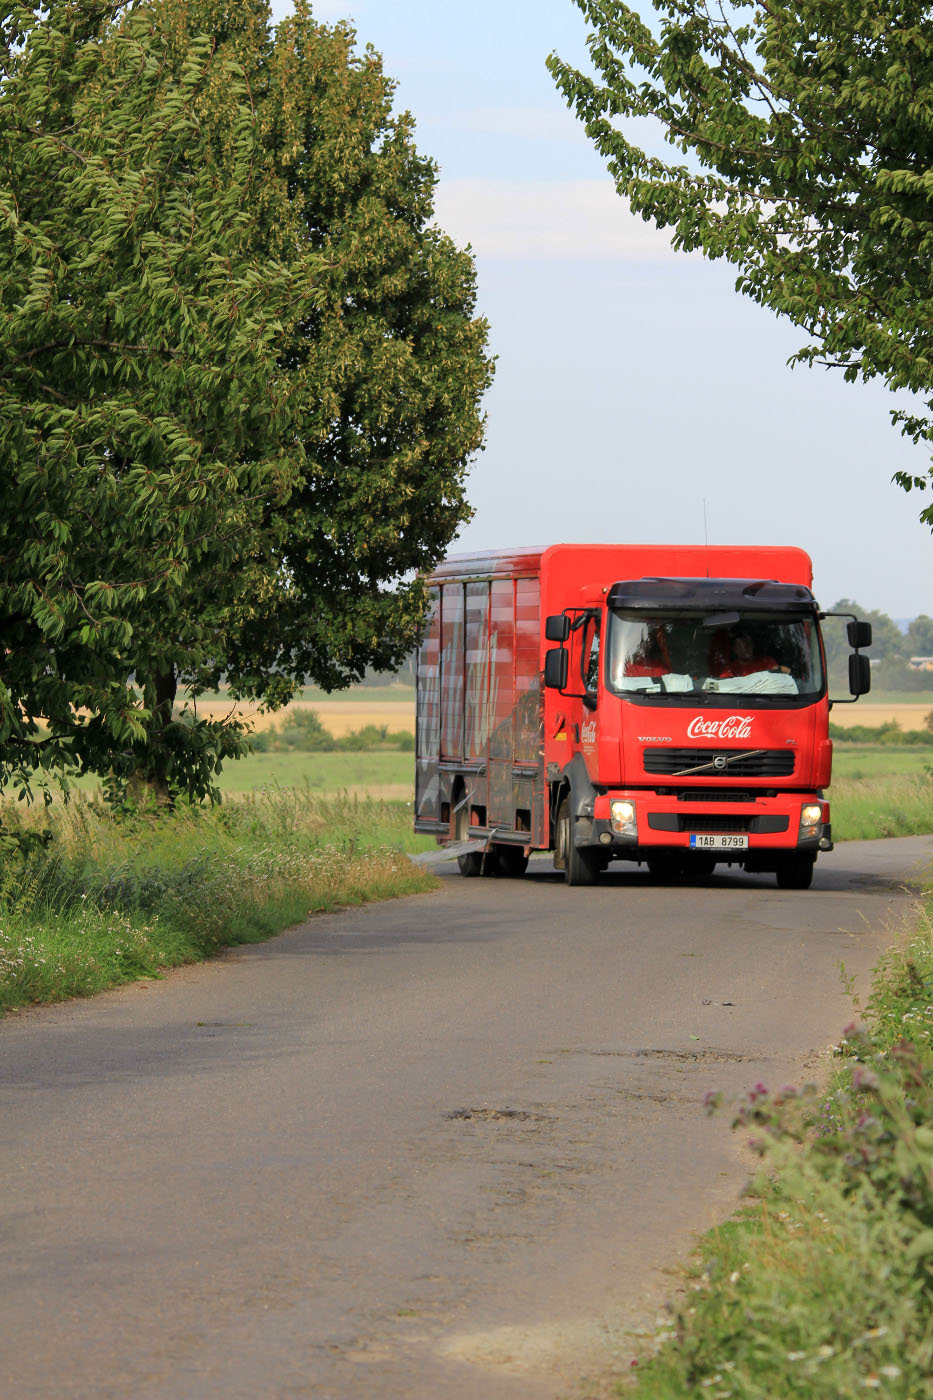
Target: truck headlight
x=811 y=819
x=622 y=818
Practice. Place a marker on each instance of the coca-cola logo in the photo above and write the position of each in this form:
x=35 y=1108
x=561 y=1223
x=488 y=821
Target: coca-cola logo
x=732 y=727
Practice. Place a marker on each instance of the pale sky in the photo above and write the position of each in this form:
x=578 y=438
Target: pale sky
x=633 y=383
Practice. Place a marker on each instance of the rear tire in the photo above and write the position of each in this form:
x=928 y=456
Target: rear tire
x=796 y=873
x=581 y=865
x=474 y=863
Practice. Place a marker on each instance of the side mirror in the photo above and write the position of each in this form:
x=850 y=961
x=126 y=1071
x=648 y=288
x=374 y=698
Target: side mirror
x=859 y=669
x=859 y=634
x=556 y=663
x=557 y=627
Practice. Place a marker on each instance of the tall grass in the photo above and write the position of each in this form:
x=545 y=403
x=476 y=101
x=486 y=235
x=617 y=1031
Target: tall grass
x=864 y=809
x=108 y=900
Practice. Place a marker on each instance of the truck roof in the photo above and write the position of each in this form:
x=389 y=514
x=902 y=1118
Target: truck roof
x=613 y=562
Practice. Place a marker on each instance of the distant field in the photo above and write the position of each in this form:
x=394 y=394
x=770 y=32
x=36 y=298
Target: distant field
x=875 y=712
x=338 y=716
x=379 y=773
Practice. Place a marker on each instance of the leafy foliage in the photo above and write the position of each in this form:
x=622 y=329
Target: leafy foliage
x=239 y=377
x=141 y=421
x=919 y=641
x=807 y=133
x=384 y=374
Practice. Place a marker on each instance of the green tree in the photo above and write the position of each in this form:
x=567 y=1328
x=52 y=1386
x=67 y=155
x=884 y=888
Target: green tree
x=249 y=398
x=919 y=639
x=143 y=426
x=384 y=377
x=807 y=135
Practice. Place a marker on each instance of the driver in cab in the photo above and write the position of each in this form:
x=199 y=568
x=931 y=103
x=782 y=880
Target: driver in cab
x=744 y=659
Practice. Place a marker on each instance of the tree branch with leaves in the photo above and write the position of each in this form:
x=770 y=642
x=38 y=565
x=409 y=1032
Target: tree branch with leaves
x=806 y=131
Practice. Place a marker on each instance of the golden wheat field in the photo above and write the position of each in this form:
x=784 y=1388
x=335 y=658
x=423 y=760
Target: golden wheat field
x=907 y=716
x=337 y=716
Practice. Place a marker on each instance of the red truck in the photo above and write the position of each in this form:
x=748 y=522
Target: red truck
x=657 y=704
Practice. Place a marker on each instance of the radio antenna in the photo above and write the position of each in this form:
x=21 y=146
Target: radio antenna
x=705 y=535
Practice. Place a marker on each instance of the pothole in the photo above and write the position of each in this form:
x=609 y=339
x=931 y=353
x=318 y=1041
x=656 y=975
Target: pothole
x=497 y=1115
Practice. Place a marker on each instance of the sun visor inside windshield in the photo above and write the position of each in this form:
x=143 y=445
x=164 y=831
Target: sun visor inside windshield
x=709 y=595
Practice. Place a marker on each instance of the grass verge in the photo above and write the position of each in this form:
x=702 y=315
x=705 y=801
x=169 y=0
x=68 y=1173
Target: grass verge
x=108 y=901
x=864 y=809
x=823 y=1285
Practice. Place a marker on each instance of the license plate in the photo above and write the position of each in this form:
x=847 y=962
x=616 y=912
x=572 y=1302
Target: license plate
x=719 y=843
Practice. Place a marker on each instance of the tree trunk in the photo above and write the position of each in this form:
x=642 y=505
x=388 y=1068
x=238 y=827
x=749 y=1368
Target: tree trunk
x=150 y=782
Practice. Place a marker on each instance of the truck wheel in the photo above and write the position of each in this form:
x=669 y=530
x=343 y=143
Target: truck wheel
x=796 y=873
x=480 y=863
x=512 y=861
x=581 y=865
x=472 y=864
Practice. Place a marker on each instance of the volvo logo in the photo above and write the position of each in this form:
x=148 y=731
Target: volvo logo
x=720 y=763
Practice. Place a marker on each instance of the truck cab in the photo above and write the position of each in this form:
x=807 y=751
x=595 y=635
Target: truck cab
x=703 y=730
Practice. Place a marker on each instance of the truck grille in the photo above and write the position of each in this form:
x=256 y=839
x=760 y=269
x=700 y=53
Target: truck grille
x=767 y=763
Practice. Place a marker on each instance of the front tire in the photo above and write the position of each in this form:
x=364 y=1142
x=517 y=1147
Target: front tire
x=796 y=873
x=581 y=865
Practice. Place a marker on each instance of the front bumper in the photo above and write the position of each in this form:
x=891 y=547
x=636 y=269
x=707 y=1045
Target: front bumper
x=665 y=823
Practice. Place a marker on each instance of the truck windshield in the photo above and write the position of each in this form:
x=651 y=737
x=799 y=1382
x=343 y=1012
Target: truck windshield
x=683 y=653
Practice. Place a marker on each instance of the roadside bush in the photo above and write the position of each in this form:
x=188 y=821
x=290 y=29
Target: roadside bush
x=889 y=733
x=303 y=731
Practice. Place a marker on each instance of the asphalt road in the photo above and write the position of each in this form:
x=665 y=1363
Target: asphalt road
x=441 y=1149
